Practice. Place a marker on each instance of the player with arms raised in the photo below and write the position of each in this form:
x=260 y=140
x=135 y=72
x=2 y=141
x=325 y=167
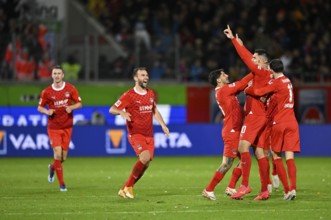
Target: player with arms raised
x=61 y=98
x=284 y=126
x=226 y=97
x=140 y=107
x=253 y=130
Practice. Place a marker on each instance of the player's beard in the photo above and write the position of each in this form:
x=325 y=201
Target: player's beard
x=142 y=84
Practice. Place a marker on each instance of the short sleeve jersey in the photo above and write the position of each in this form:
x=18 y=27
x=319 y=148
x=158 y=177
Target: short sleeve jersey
x=141 y=107
x=254 y=105
x=228 y=103
x=59 y=99
x=280 y=108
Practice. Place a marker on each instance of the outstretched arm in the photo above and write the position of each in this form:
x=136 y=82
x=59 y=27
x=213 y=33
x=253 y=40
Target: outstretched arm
x=261 y=91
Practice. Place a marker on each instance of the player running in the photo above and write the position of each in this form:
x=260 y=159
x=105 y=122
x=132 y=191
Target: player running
x=59 y=98
x=137 y=106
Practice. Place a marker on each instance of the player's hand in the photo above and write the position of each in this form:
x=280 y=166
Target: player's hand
x=228 y=32
x=165 y=130
x=240 y=42
x=126 y=115
x=68 y=109
x=50 y=112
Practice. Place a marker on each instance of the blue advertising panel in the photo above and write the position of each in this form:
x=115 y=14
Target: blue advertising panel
x=184 y=140
x=29 y=116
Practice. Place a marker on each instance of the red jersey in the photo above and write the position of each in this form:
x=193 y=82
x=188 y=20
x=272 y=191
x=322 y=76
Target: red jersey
x=280 y=108
x=59 y=99
x=228 y=103
x=141 y=107
x=254 y=105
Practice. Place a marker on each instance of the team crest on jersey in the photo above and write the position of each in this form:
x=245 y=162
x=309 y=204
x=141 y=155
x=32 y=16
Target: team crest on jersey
x=151 y=100
x=67 y=94
x=232 y=85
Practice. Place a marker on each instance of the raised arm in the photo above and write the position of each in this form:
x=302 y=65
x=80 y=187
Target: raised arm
x=242 y=51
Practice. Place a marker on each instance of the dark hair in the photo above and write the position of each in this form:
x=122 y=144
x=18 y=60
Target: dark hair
x=57 y=67
x=213 y=76
x=135 y=70
x=277 y=65
x=263 y=52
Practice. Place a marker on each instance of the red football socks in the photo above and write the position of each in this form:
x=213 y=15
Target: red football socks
x=292 y=173
x=264 y=174
x=216 y=179
x=136 y=172
x=57 y=166
x=282 y=173
x=236 y=173
x=246 y=163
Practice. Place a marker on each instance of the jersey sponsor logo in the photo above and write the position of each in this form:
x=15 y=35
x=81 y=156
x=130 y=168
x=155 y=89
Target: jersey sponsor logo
x=61 y=103
x=146 y=108
x=3 y=142
x=115 y=141
x=175 y=140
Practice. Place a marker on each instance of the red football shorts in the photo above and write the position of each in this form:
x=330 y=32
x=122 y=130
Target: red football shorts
x=231 y=142
x=141 y=143
x=60 y=137
x=253 y=130
x=285 y=137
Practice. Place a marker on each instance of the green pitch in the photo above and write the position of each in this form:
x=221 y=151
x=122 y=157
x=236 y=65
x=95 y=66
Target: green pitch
x=170 y=189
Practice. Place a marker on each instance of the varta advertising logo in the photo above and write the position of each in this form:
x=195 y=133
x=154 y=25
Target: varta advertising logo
x=115 y=141
x=3 y=143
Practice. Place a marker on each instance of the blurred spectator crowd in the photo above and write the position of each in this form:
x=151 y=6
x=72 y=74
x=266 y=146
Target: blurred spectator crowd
x=25 y=52
x=183 y=39
x=180 y=40
x=23 y=47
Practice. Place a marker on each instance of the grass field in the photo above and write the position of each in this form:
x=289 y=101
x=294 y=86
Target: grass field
x=170 y=189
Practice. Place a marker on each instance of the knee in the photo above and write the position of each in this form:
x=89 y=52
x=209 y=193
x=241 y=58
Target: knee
x=145 y=160
x=58 y=156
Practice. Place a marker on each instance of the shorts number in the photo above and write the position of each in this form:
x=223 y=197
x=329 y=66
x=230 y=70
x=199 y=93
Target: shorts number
x=243 y=129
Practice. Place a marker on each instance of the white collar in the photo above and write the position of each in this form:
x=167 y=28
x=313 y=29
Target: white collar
x=59 y=89
x=140 y=93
